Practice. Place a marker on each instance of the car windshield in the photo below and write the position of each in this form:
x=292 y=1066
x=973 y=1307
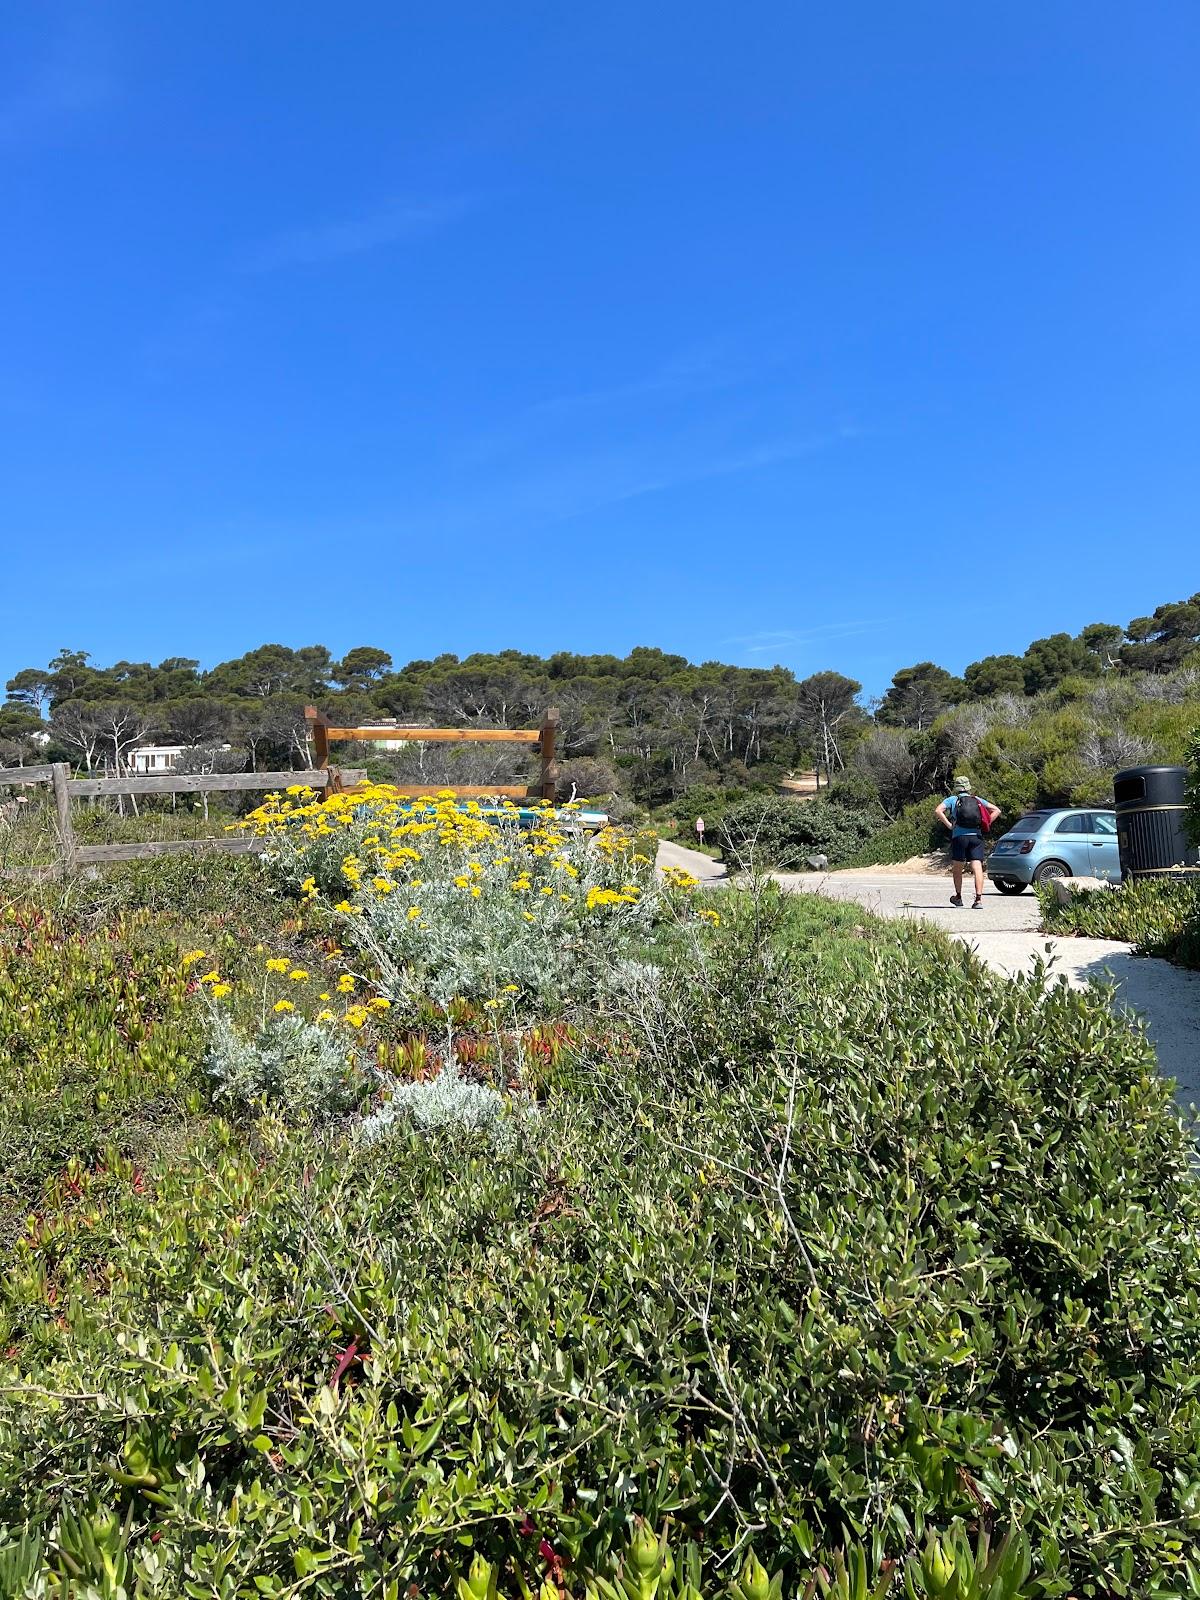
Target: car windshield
x=1030 y=824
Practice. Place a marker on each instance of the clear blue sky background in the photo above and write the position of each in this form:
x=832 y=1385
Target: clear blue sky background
x=831 y=335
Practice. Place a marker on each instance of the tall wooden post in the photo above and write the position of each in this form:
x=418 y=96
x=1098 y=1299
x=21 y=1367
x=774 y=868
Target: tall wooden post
x=548 y=742
x=317 y=726
x=60 y=777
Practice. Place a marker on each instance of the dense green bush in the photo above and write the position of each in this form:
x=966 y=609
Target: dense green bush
x=1159 y=916
x=777 y=832
x=915 y=832
x=220 y=889
x=817 y=1239
x=1193 y=790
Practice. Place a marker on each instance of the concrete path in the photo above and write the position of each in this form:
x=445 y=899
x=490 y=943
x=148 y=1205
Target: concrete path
x=694 y=861
x=1004 y=933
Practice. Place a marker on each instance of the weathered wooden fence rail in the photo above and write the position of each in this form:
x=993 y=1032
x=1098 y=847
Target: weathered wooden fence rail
x=57 y=775
x=65 y=788
x=543 y=741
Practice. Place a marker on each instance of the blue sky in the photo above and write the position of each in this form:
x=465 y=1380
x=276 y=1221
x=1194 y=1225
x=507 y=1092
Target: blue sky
x=830 y=335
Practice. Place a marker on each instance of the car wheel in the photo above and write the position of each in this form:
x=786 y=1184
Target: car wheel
x=1010 y=886
x=1051 y=869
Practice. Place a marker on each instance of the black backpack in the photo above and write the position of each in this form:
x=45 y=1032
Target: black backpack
x=968 y=813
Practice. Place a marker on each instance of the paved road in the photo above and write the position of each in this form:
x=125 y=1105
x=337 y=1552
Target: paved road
x=1004 y=933
x=694 y=861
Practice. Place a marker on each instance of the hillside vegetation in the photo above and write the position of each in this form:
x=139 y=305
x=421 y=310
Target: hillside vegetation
x=442 y=1207
x=653 y=731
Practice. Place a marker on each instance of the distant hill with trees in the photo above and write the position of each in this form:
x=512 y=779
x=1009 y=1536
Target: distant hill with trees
x=1050 y=724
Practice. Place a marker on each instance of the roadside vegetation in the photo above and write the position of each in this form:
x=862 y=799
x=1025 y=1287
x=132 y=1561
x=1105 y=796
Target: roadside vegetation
x=444 y=1207
x=1158 y=916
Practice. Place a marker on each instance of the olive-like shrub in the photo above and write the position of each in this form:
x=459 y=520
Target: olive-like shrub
x=826 y=1239
x=771 y=831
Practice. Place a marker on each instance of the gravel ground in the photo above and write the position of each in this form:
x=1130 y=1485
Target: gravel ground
x=1004 y=933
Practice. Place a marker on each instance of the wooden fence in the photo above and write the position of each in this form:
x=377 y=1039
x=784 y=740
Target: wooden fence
x=58 y=776
x=543 y=742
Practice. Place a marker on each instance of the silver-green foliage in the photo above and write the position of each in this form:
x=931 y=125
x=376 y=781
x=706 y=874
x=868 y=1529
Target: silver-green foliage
x=296 y=1065
x=456 y=923
x=448 y=1103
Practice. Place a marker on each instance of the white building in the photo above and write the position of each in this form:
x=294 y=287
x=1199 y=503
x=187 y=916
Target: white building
x=154 y=760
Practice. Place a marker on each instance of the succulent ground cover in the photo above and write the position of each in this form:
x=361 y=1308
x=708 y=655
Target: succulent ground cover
x=1158 y=916
x=796 y=1238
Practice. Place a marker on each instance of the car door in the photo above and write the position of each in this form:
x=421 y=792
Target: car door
x=1106 y=857
x=1072 y=843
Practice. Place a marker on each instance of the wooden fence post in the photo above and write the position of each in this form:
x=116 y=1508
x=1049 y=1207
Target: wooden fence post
x=548 y=738
x=61 y=779
x=317 y=726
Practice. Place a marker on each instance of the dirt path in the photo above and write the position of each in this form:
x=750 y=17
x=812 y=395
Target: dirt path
x=1004 y=933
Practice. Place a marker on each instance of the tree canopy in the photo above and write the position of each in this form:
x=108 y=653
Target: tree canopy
x=662 y=722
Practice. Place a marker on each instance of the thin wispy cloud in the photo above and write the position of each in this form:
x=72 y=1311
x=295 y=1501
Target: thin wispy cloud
x=565 y=487
x=669 y=388
x=752 y=460
x=339 y=239
x=74 y=79
x=771 y=641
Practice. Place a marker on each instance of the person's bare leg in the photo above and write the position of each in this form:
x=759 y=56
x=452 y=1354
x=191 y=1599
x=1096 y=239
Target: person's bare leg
x=956 y=868
x=977 y=871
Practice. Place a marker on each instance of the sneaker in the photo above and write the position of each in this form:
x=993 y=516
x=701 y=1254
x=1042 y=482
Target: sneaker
x=956 y=900
x=976 y=903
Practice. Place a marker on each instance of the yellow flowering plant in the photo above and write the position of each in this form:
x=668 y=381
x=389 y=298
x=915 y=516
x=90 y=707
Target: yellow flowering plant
x=487 y=894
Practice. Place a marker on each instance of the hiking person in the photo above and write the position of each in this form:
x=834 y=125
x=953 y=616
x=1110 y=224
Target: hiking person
x=963 y=813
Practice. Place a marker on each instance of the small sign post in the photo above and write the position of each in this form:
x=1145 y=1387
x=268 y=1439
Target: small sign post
x=700 y=829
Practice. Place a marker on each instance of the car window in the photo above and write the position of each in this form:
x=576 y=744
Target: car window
x=1030 y=824
x=1079 y=822
x=1104 y=822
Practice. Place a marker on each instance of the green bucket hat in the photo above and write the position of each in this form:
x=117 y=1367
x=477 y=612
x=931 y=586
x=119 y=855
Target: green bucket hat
x=962 y=785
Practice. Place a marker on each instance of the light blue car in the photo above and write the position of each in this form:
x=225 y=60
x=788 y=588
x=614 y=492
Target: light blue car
x=1070 y=843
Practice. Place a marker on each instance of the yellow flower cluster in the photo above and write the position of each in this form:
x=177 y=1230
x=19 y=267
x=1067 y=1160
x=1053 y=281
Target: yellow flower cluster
x=490 y=856
x=356 y=1014
x=627 y=896
x=677 y=878
x=216 y=985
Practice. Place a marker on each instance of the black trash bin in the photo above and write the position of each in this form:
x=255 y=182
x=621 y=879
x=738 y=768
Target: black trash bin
x=1151 y=806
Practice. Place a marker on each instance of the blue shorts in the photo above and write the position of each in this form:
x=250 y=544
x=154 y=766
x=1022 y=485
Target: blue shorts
x=967 y=847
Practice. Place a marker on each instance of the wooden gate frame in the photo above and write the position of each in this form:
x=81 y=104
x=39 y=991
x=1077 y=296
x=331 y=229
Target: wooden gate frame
x=543 y=740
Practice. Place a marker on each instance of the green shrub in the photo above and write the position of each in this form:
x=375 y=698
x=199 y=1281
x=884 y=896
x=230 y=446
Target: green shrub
x=826 y=1238
x=778 y=832
x=206 y=887
x=915 y=832
x=1159 y=916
